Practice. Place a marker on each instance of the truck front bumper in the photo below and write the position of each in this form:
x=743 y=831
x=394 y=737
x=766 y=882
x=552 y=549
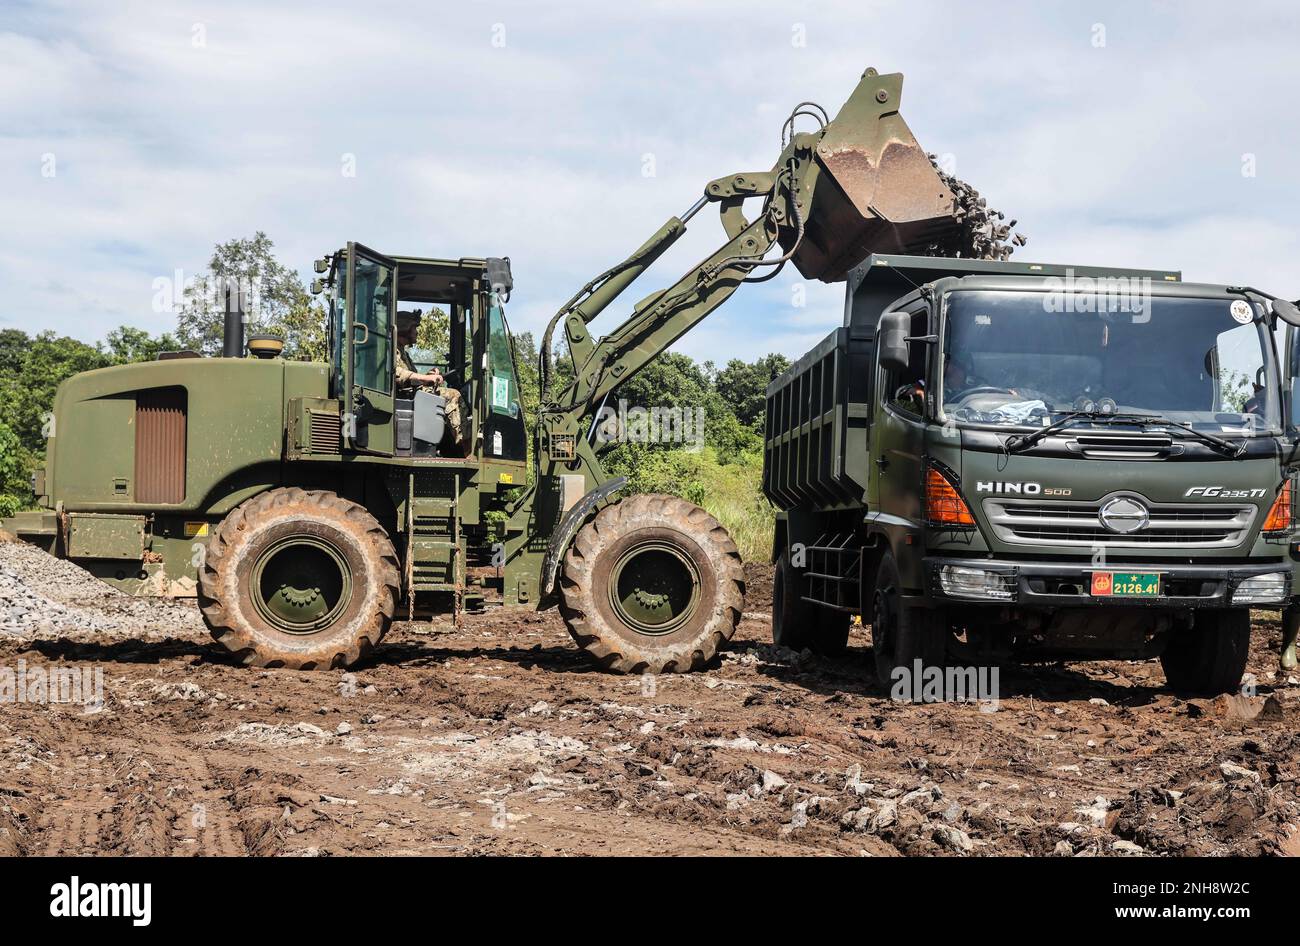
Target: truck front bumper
x=1068 y=585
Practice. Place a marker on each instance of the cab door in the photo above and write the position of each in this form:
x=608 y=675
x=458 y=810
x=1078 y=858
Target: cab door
x=897 y=441
x=371 y=310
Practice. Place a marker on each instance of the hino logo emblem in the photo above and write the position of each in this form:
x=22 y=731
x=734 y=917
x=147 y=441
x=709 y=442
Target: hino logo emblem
x=1124 y=515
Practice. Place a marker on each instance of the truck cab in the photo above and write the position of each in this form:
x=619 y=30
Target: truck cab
x=993 y=460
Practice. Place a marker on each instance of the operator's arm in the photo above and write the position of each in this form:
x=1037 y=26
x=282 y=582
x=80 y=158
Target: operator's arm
x=407 y=377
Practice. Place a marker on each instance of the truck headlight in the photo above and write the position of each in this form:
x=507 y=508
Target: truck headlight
x=1263 y=589
x=963 y=581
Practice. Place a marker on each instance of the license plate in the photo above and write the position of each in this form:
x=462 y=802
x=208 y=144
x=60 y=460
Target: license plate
x=1126 y=584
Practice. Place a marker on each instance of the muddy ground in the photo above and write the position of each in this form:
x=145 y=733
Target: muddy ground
x=496 y=737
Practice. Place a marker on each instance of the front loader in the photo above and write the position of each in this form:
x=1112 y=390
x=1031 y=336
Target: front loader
x=307 y=505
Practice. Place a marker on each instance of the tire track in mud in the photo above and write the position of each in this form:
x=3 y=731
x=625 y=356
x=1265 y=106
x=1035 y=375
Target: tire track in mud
x=202 y=820
x=68 y=827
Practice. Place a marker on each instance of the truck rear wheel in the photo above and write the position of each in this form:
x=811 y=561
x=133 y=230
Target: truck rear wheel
x=1210 y=657
x=653 y=584
x=902 y=634
x=298 y=579
x=799 y=624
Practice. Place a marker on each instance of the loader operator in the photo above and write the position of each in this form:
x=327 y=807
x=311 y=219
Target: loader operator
x=409 y=380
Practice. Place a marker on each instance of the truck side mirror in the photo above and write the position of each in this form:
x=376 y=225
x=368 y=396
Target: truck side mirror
x=1288 y=312
x=894 y=352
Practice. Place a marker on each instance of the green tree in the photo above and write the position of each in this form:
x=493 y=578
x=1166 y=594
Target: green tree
x=14 y=471
x=434 y=333
x=743 y=386
x=29 y=380
x=126 y=345
x=276 y=302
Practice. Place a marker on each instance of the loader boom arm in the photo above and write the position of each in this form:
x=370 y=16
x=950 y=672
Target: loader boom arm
x=855 y=185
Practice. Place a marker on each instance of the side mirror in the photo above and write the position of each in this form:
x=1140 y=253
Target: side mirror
x=1288 y=312
x=499 y=277
x=892 y=344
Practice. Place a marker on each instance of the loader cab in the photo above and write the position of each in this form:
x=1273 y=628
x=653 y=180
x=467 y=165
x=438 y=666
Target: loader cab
x=467 y=339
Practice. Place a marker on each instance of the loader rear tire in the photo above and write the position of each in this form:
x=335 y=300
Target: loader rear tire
x=299 y=579
x=652 y=584
x=1208 y=658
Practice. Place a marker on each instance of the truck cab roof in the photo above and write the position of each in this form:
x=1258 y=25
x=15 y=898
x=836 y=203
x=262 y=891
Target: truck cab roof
x=881 y=279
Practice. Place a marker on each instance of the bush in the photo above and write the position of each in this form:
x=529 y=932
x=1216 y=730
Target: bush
x=15 y=467
x=729 y=491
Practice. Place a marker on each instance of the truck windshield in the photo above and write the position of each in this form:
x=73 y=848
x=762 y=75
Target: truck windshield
x=1021 y=359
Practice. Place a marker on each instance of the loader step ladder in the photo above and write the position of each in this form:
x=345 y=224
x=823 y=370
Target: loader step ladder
x=434 y=559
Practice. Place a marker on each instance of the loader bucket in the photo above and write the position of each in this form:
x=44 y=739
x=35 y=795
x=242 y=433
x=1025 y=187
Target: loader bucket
x=874 y=188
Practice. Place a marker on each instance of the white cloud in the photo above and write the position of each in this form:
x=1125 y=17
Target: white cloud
x=1128 y=154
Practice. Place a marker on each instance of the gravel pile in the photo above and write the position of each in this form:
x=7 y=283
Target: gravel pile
x=41 y=595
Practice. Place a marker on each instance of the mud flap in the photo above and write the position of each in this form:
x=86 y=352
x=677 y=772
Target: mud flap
x=568 y=528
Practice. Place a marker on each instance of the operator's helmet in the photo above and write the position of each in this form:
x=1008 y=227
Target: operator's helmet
x=407 y=318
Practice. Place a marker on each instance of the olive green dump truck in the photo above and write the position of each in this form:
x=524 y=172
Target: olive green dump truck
x=307 y=505
x=998 y=460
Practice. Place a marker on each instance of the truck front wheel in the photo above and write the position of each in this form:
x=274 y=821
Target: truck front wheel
x=1210 y=656
x=653 y=584
x=901 y=634
x=299 y=579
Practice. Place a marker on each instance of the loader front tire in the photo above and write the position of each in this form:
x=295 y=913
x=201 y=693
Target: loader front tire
x=652 y=584
x=302 y=579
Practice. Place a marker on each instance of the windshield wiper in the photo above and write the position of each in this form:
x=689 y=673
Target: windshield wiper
x=1233 y=450
x=1017 y=442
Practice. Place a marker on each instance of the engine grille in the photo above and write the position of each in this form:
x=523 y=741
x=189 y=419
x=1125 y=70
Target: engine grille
x=326 y=432
x=1033 y=522
x=160 y=417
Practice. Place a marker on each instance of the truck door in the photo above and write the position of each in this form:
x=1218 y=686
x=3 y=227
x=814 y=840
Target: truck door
x=897 y=438
x=371 y=309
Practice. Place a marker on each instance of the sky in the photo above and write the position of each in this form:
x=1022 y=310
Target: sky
x=134 y=136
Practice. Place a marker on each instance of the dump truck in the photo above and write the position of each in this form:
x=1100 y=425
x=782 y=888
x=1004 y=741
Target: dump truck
x=306 y=505
x=993 y=461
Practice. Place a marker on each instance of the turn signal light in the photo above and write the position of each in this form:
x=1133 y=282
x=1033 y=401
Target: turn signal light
x=1279 y=517
x=943 y=504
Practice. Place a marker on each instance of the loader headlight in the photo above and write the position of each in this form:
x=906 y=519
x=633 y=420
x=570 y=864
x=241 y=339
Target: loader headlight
x=963 y=581
x=1272 y=588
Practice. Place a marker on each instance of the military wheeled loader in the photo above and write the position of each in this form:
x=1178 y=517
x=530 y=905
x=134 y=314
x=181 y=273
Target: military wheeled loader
x=307 y=505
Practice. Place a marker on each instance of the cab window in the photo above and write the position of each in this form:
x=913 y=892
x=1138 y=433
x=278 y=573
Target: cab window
x=905 y=390
x=372 y=365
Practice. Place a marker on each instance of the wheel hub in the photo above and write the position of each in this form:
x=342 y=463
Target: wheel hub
x=301 y=584
x=654 y=588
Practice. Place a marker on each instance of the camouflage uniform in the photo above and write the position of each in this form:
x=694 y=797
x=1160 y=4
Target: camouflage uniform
x=405 y=369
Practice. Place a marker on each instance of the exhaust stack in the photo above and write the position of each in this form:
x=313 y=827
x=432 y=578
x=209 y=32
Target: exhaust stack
x=232 y=342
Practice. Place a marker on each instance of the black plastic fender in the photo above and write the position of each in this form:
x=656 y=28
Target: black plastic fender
x=568 y=528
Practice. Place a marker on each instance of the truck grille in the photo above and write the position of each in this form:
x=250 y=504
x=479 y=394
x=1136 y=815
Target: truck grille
x=1033 y=522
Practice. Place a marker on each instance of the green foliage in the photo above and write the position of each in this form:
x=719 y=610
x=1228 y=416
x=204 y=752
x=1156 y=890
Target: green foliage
x=743 y=386
x=278 y=302
x=15 y=488
x=126 y=345
x=32 y=373
x=434 y=332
